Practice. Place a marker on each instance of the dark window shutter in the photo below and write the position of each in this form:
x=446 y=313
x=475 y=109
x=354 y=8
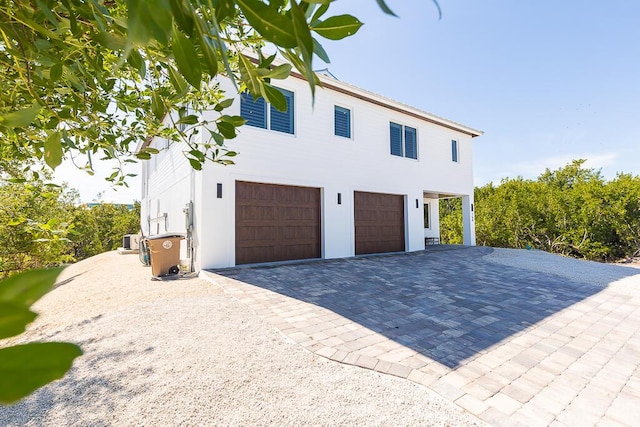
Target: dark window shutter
x=410 y=143
x=282 y=121
x=254 y=112
x=396 y=138
x=342 y=122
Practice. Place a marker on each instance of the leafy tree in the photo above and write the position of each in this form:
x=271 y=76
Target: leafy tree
x=98 y=77
x=571 y=211
x=451 y=221
x=35 y=219
x=101 y=227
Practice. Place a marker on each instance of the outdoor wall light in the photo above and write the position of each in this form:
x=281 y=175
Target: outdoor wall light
x=339 y=198
x=417 y=204
x=219 y=190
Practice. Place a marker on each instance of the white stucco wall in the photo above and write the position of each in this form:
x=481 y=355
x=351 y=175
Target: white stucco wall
x=167 y=189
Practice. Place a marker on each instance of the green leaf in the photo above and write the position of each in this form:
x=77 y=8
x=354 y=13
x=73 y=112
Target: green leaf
x=217 y=138
x=182 y=16
x=385 y=8
x=304 y=39
x=280 y=72
x=320 y=52
x=138 y=32
x=47 y=12
x=266 y=20
x=188 y=120
x=226 y=129
x=147 y=19
x=186 y=58
x=25 y=368
x=25 y=288
x=55 y=72
x=136 y=61
x=157 y=106
x=143 y=155
x=275 y=97
x=338 y=27
x=249 y=75
x=178 y=82
x=196 y=164
x=14 y=319
x=223 y=104
x=224 y=9
x=53 y=150
x=110 y=40
x=21 y=118
x=198 y=155
x=17 y=180
x=234 y=120
x=319 y=12
x=208 y=50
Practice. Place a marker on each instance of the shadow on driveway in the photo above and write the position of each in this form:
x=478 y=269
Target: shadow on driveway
x=447 y=303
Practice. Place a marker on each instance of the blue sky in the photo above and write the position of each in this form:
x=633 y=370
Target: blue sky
x=547 y=81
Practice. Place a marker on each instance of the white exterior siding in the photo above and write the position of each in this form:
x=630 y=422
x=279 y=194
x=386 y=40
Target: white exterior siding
x=314 y=157
x=168 y=190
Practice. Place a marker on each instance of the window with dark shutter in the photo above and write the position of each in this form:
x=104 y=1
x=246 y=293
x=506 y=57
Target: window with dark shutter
x=396 y=138
x=342 y=122
x=254 y=112
x=454 y=150
x=404 y=141
x=282 y=121
x=410 y=143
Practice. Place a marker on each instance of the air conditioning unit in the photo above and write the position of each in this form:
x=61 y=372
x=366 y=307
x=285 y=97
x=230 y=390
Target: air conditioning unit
x=131 y=241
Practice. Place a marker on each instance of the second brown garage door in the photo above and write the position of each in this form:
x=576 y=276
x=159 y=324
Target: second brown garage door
x=276 y=222
x=379 y=222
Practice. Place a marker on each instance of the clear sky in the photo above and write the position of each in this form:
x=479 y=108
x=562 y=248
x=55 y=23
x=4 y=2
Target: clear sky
x=548 y=81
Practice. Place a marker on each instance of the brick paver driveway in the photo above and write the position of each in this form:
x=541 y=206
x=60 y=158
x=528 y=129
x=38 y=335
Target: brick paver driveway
x=510 y=345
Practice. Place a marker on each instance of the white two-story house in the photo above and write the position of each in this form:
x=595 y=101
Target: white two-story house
x=351 y=173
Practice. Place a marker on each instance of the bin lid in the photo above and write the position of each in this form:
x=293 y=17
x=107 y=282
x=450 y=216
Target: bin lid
x=167 y=236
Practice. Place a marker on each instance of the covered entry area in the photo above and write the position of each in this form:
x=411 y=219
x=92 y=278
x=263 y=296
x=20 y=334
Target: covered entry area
x=276 y=222
x=379 y=223
x=432 y=229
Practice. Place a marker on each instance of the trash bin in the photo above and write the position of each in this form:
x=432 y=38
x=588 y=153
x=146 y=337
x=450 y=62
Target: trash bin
x=165 y=254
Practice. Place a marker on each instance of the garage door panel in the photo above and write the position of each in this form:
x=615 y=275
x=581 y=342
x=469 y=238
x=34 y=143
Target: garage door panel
x=379 y=222
x=276 y=222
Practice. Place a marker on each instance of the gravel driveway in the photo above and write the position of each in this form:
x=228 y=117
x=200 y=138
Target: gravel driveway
x=184 y=353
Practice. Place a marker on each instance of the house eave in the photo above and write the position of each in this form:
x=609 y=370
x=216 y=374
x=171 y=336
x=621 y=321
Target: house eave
x=379 y=100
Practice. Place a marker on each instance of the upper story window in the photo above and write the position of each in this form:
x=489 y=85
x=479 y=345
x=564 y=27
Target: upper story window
x=258 y=115
x=454 y=150
x=404 y=141
x=342 y=121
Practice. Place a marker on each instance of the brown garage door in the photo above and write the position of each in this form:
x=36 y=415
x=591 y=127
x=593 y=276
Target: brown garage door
x=276 y=222
x=379 y=222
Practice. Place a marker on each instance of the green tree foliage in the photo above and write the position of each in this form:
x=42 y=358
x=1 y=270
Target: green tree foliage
x=100 y=228
x=571 y=211
x=43 y=225
x=451 y=221
x=34 y=221
x=96 y=78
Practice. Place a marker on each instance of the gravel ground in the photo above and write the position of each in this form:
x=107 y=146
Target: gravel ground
x=184 y=353
x=594 y=273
